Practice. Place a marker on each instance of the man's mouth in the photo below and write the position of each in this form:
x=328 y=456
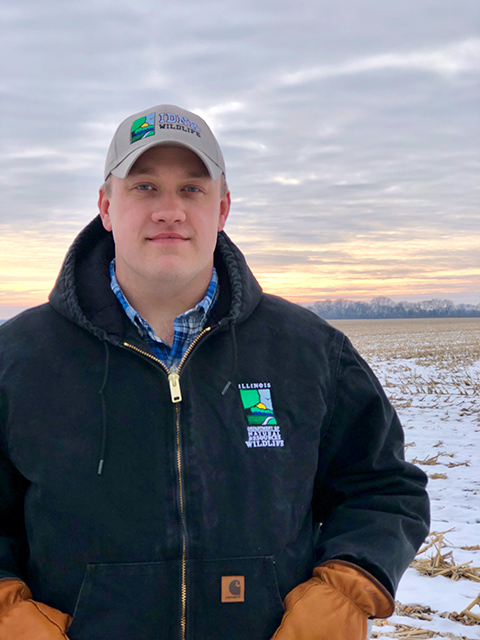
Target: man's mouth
x=168 y=236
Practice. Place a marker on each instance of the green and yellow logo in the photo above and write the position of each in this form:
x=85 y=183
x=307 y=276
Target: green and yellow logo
x=258 y=407
x=142 y=128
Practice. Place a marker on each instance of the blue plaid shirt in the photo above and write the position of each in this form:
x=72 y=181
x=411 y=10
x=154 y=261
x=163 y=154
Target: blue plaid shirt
x=187 y=325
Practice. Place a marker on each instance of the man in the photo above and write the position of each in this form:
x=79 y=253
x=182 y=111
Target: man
x=183 y=456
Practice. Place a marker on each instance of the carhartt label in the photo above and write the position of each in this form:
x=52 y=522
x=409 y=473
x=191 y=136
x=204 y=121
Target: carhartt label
x=233 y=588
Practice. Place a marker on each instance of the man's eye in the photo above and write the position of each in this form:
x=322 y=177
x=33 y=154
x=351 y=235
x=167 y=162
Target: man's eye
x=192 y=189
x=144 y=187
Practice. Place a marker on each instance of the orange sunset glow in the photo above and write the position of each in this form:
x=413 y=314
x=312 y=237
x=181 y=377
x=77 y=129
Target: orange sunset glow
x=357 y=269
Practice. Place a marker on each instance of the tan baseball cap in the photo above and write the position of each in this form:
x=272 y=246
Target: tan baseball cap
x=166 y=125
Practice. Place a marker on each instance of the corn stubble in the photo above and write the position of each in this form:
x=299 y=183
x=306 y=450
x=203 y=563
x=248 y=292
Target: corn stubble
x=430 y=365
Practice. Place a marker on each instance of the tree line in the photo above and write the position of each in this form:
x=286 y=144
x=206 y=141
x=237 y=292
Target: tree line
x=382 y=307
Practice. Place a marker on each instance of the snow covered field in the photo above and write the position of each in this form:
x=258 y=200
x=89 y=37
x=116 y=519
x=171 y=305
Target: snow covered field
x=430 y=368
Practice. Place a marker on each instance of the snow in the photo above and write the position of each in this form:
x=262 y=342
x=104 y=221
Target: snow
x=436 y=391
x=439 y=593
x=455 y=501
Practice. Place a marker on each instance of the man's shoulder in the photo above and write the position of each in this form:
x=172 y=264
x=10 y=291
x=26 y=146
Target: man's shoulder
x=25 y=318
x=29 y=327
x=282 y=306
x=298 y=318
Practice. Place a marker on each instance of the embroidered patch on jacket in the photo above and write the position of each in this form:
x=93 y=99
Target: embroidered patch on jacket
x=233 y=588
x=263 y=429
x=142 y=128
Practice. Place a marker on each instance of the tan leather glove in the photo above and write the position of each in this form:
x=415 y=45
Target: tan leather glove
x=21 y=618
x=334 y=605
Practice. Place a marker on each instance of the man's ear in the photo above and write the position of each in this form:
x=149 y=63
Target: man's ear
x=104 y=209
x=224 y=210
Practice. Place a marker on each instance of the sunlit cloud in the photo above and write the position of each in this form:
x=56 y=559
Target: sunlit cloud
x=365 y=267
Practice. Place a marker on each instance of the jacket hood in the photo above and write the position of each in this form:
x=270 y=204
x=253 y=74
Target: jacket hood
x=82 y=291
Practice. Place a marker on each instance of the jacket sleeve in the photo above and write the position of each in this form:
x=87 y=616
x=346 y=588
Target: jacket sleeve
x=372 y=506
x=13 y=540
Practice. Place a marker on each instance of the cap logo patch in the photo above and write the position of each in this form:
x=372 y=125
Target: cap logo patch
x=179 y=123
x=233 y=588
x=142 y=128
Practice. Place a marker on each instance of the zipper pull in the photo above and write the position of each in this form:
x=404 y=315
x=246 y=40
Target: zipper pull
x=175 y=391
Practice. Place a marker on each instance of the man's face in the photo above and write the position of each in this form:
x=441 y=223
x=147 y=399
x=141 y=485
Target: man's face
x=165 y=216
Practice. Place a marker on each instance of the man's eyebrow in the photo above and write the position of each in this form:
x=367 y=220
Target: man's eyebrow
x=134 y=171
x=199 y=174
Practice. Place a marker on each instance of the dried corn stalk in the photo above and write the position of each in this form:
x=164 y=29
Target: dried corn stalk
x=429 y=461
x=467 y=612
x=443 y=564
x=417 y=611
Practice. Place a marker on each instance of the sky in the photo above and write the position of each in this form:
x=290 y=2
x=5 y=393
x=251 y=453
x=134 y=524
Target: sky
x=350 y=131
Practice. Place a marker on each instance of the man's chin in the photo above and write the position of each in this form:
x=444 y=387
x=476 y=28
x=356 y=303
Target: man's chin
x=175 y=276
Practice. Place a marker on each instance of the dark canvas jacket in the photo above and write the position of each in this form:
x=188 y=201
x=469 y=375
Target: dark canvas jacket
x=126 y=510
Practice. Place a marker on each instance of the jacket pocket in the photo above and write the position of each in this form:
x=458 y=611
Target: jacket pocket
x=135 y=601
x=234 y=598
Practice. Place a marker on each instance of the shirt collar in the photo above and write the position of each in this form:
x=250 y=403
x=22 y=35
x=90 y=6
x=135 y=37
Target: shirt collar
x=197 y=315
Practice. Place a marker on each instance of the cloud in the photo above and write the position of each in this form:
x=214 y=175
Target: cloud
x=340 y=123
x=459 y=57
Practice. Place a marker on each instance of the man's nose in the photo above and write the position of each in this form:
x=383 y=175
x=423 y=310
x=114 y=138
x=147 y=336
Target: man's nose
x=168 y=208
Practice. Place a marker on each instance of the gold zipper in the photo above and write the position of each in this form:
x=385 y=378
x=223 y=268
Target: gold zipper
x=183 y=618
x=173 y=376
x=191 y=347
x=145 y=353
x=176 y=396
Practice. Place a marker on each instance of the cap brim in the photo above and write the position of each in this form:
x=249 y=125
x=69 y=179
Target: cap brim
x=123 y=168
